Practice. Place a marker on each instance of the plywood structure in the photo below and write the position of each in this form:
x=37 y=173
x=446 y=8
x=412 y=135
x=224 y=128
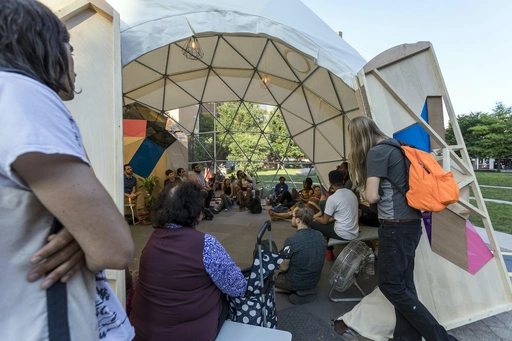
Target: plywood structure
x=97 y=109
x=394 y=87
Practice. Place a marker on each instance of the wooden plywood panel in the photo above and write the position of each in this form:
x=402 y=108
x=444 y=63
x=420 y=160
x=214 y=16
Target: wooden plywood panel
x=449 y=238
x=435 y=117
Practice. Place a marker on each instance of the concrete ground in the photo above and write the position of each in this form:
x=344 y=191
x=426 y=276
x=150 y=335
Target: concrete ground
x=237 y=232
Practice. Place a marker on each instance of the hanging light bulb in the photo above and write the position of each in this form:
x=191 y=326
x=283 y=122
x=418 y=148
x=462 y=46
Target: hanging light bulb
x=193 y=50
x=265 y=82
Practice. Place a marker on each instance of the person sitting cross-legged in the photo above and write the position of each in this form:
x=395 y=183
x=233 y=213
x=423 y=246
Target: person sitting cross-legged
x=303 y=253
x=340 y=218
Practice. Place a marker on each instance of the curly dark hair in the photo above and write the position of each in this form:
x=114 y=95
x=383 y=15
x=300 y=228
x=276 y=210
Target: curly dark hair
x=180 y=205
x=32 y=39
x=336 y=178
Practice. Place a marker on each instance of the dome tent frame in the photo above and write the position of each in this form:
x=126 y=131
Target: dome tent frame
x=381 y=92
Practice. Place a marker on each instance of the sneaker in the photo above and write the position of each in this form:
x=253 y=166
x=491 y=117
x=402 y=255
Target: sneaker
x=329 y=255
x=241 y=208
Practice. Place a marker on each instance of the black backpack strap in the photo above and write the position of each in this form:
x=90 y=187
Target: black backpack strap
x=389 y=142
x=57 y=304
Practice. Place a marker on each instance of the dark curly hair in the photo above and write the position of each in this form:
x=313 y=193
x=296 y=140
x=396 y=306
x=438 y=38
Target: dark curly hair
x=180 y=205
x=336 y=178
x=32 y=39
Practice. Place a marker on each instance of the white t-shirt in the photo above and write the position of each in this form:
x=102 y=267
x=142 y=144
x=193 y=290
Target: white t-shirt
x=343 y=207
x=33 y=119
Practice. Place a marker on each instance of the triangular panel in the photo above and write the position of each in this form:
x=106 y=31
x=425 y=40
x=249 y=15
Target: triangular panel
x=320 y=84
x=155 y=59
x=135 y=74
x=249 y=47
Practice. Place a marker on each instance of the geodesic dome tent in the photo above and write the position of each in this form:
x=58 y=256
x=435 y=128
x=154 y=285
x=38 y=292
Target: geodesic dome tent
x=317 y=103
x=276 y=53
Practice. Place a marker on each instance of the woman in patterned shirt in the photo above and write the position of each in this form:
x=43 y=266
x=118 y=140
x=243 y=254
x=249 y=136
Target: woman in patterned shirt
x=184 y=274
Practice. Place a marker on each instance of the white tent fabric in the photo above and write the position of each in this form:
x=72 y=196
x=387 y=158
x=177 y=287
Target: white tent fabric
x=310 y=67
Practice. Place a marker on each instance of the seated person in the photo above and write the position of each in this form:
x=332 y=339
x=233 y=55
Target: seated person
x=313 y=204
x=289 y=199
x=130 y=189
x=340 y=218
x=171 y=180
x=226 y=196
x=218 y=180
x=303 y=253
x=182 y=174
x=279 y=189
x=244 y=193
x=197 y=176
x=183 y=274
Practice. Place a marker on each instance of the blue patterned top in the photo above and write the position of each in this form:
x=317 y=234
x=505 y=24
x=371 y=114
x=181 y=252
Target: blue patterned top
x=219 y=265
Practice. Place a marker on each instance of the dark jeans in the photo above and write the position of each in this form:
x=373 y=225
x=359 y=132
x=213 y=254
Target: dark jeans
x=327 y=230
x=207 y=195
x=288 y=198
x=397 y=247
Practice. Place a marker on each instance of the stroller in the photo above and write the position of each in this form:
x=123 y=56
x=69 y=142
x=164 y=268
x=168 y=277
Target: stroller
x=258 y=305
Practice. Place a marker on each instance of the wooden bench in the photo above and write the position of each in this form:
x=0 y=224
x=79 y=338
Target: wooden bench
x=365 y=233
x=244 y=332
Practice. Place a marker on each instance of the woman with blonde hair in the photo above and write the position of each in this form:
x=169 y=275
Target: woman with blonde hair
x=371 y=164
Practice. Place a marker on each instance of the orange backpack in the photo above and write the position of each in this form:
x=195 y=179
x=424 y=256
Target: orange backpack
x=429 y=187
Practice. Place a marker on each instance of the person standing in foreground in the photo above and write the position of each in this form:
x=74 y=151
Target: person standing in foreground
x=399 y=232
x=44 y=178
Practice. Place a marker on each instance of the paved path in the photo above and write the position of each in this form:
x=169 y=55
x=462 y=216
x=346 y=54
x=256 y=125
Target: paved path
x=496 y=201
x=489 y=186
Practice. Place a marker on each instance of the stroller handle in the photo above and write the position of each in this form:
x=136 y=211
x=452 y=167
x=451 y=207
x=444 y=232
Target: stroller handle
x=266 y=226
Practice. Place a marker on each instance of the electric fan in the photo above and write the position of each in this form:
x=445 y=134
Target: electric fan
x=346 y=268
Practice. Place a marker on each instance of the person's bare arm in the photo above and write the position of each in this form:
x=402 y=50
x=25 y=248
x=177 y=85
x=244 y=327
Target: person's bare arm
x=372 y=189
x=324 y=219
x=71 y=192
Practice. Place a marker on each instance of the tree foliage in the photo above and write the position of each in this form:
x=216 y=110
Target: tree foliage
x=253 y=136
x=486 y=134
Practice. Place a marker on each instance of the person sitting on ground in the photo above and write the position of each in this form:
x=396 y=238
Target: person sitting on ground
x=340 y=218
x=218 y=180
x=171 y=180
x=244 y=193
x=184 y=274
x=313 y=204
x=182 y=174
x=279 y=189
x=226 y=200
x=289 y=199
x=303 y=253
x=197 y=176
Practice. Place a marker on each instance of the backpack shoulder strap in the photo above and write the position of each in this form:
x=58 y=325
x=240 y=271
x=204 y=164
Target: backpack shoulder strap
x=389 y=142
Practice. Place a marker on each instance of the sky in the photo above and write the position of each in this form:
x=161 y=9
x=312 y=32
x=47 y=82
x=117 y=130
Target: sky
x=472 y=40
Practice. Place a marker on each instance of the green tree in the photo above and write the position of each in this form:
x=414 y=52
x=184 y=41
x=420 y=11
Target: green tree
x=466 y=123
x=496 y=133
x=486 y=134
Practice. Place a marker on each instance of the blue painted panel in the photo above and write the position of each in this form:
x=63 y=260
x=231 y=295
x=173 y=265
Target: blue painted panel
x=415 y=135
x=146 y=158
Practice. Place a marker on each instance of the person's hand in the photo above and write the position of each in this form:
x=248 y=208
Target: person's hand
x=62 y=257
x=133 y=196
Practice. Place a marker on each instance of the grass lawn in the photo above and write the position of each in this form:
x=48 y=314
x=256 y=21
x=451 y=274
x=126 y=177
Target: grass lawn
x=501 y=216
x=494 y=178
x=270 y=178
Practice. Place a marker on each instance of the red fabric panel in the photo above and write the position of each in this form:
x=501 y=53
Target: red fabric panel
x=134 y=128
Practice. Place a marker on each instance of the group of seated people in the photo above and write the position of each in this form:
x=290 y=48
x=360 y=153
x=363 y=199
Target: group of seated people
x=191 y=272
x=337 y=216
